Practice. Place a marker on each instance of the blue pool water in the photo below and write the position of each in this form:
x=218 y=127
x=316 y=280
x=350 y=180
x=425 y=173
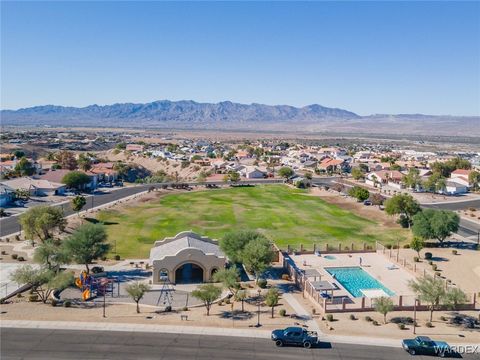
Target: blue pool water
x=354 y=279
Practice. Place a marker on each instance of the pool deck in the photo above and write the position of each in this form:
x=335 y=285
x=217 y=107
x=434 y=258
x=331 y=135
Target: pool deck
x=376 y=265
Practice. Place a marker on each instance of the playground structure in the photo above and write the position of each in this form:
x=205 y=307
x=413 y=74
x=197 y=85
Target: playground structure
x=92 y=286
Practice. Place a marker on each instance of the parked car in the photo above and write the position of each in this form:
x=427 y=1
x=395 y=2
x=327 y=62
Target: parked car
x=295 y=336
x=367 y=203
x=423 y=345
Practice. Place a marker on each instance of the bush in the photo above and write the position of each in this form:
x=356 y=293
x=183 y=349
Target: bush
x=375 y=322
x=286 y=277
x=454 y=252
x=54 y=303
x=402 y=320
x=168 y=308
x=388 y=246
x=352 y=317
x=21 y=258
x=17 y=237
x=14 y=256
x=227 y=301
x=429 y=324
x=185 y=308
x=416 y=259
x=283 y=312
x=368 y=318
x=33 y=297
x=117 y=257
x=262 y=283
x=406 y=246
x=401 y=326
x=434 y=267
x=4 y=252
x=330 y=317
x=104 y=258
x=67 y=303
x=428 y=255
x=438 y=273
x=443 y=318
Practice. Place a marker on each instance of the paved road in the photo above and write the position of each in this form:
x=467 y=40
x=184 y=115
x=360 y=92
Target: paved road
x=84 y=345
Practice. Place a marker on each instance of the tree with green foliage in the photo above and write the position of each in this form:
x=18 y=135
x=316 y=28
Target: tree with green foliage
x=384 y=305
x=285 y=172
x=454 y=297
x=40 y=222
x=77 y=203
x=357 y=173
x=417 y=244
x=19 y=154
x=229 y=279
x=207 y=293
x=257 y=255
x=402 y=204
x=84 y=162
x=136 y=291
x=44 y=281
x=474 y=180
x=359 y=193
x=87 y=243
x=22 y=194
x=76 y=179
x=272 y=298
x=445 y=168
x=413 y=178
x=51 y=254
x=241 y=295
x=233 y=243
x=429 y=290
x=232 y=176
x=435 y=224
x=24 y=167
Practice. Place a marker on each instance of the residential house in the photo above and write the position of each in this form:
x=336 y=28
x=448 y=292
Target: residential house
x=251 y=172
x=332 y=165
x=460 y=176
x=56 y=176
x=36 y=187
x=392 y=178
x=134 y=147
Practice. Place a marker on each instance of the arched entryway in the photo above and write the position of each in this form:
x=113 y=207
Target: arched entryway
x=189 y=273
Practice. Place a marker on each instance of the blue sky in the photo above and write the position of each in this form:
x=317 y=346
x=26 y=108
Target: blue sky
x=372 y=57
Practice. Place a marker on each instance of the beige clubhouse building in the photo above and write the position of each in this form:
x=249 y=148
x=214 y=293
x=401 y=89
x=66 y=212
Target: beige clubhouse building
x=186 y=258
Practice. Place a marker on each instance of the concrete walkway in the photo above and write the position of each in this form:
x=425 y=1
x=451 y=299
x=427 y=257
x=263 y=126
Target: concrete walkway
x=300 y=311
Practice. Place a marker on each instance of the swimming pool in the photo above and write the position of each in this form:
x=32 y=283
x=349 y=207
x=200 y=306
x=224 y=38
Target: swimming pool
x=355 y=279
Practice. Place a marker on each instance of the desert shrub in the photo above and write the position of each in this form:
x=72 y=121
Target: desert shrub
x=428 y=255
x=406 y=246
x=117 y=257
x=438 y=273
x=185 y=308
x=227 y=301
x=329 y=317
x=14 y=256
x=402 y=320
x=54 y=303
x=7 y=239
x=33 y=297
x=388 y=246
x=368 y=318
x=434 y=267
x=375 y=322
x=416 y=259
x=429 y=324
x=454 y=252
x=262 y=283
x=282 y=312
x=17 y=237
x=401 y=326
x=443 y=318
x=21 y=258
x=352 y=317
x=286 y=277
x=4 y=252
x=168 y=308
x=314 y=311
x=67 y=303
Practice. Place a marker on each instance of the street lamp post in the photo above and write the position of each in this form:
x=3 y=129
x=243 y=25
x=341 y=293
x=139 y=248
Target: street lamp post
x=258 y=312
x=414 y=316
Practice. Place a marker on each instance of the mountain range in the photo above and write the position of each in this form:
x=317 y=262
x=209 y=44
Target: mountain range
x=230 y=115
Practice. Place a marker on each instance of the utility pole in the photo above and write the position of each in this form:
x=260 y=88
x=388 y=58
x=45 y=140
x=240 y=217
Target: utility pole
x=258 y=312
x=414 y=316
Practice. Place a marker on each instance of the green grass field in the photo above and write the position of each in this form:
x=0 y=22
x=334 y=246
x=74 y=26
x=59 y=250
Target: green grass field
x=287 y=216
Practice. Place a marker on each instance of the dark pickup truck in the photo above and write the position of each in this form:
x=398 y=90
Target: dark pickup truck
x=423 y=345
x=295 y=336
